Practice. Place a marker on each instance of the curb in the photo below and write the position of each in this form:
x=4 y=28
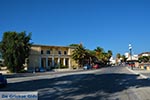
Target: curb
x=141 y=75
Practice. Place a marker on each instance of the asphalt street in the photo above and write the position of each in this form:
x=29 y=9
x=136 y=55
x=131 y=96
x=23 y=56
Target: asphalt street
x=111 y=83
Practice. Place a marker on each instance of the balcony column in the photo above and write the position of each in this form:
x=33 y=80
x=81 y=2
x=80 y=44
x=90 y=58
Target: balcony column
x=58 y=61
x=40 y=61
x=69 y=62
x=64 y=61
x=53 y=61
x=46 y=62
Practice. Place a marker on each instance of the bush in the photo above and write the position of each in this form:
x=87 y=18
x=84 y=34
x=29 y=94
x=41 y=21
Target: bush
x=62 y=66
x=23 y=71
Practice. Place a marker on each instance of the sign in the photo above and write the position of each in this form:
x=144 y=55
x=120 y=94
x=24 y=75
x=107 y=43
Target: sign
x=19 y=95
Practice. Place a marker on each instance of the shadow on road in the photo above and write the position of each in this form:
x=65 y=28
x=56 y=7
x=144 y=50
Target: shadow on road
x=81 y=86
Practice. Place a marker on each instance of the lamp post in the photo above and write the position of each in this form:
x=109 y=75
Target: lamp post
x=130 y=50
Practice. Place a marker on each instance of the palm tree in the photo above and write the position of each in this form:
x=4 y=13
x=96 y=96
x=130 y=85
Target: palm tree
x=91 y=55
x=99 y=50
x=107 y=57
x=99 y=53
x=118 y=56
x=124 y=59
x=103 y=56
x=79 y=55
x=84 y=56
x=109 y=53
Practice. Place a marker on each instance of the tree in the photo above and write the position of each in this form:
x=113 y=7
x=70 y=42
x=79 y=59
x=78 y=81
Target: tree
x=124 y=59
x=15 y=48
x=103 y=56
x=144 y=59
x=99 y=50
x=81 y=56
x=107 y=57
x=99 y=53
x=109 y=53
x=74 y=45
x=92 y=56
x=118 y=56
x=84 y=56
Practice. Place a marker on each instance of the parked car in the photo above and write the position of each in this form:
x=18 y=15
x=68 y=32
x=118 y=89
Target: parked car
x=96 y=66
x=3 y=81
x=41 y=69
x=86 y=67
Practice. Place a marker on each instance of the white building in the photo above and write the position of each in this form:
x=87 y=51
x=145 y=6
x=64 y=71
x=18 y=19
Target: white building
x=144 y=54
x=112 y=60
x=128 y=56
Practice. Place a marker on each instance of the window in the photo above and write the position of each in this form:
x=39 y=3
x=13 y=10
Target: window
x=59 y=52
x=41 y=51
x=65 y=52
x=48 y=52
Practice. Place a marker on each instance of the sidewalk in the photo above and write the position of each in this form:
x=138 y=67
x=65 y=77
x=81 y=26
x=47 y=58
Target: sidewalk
x=16 y=75
x=143 y=73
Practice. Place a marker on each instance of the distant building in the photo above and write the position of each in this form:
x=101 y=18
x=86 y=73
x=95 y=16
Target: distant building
x=128 y=56
x=135 y=57
x=50 y=57
x=112 y=60
x=144 y=54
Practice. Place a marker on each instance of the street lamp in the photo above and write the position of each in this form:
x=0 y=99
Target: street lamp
x=130 y=50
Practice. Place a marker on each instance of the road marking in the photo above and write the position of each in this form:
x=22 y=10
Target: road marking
x=143 y=76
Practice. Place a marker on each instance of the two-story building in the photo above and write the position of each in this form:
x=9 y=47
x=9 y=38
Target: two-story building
x=144 y=54
x=50 y=57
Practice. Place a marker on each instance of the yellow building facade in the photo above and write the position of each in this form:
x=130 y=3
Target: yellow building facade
x=50 y=57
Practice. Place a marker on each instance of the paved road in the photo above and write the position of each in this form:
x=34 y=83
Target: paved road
x=112 y=83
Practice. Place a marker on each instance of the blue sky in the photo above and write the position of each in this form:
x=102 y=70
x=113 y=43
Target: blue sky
x=110 y=24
